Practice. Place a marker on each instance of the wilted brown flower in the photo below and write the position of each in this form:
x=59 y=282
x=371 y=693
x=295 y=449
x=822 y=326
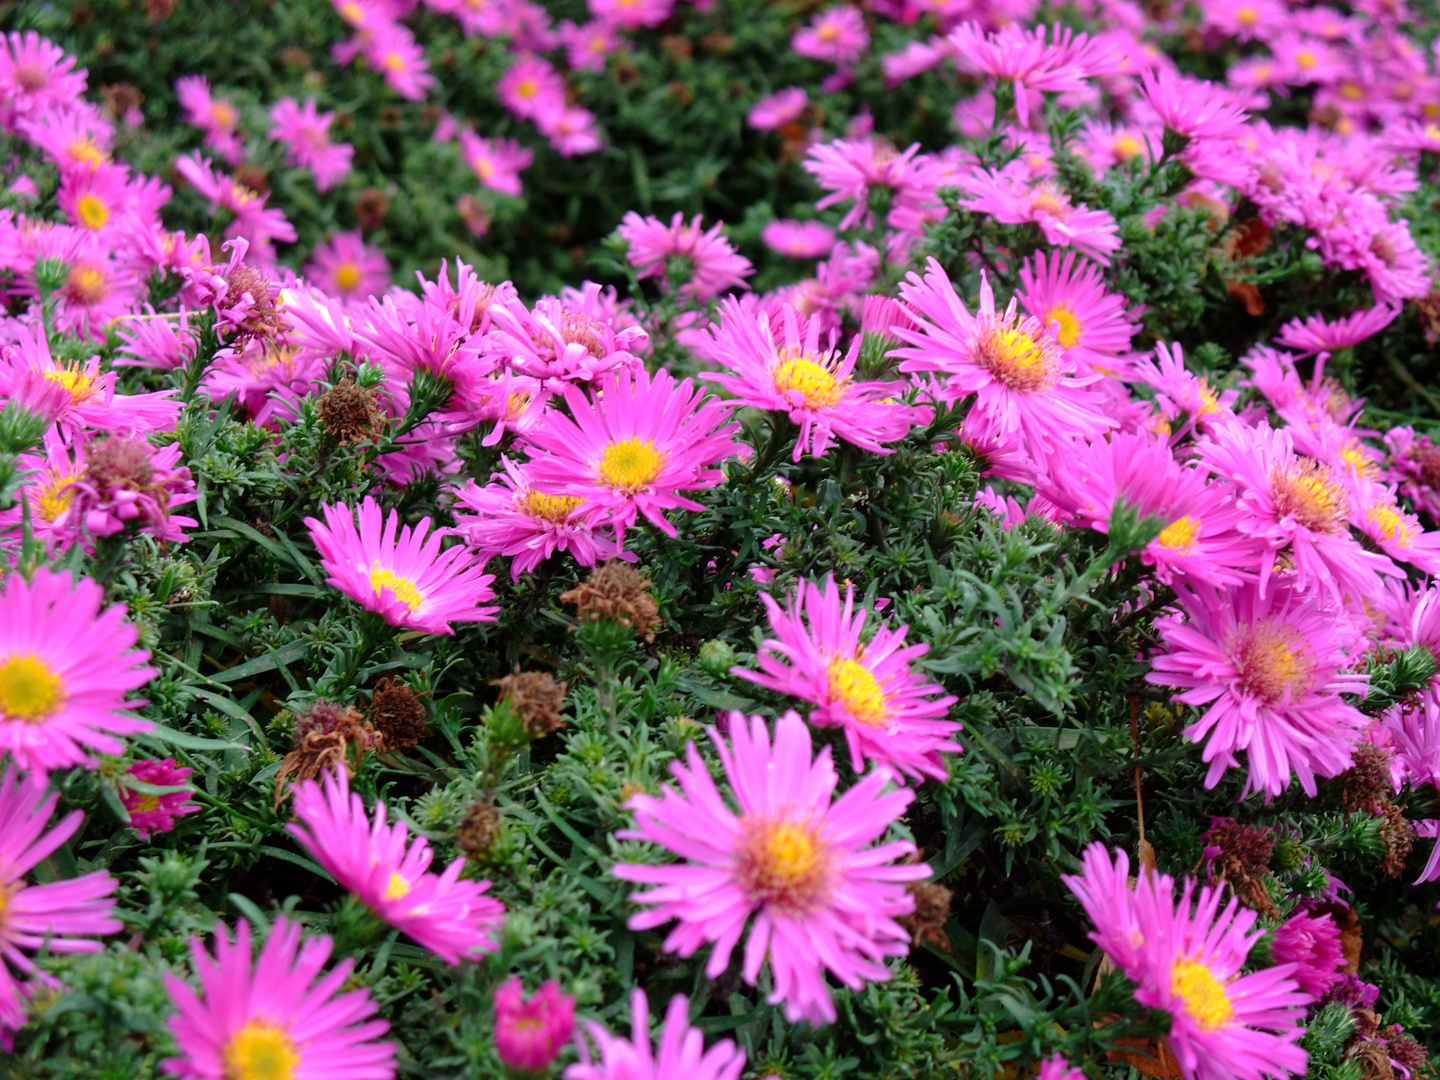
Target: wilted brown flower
x=932 y=909
x=349 y=413
x=1243 y=862
x=324 y=737
x=397 y=715
x=537 y=697
x=478 y=830
x=371 y=206
x=615 y=591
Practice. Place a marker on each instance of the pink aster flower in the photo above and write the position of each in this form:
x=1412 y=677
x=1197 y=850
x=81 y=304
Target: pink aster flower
x=531 y=86
x=798 y=860
x=392 y=50
x=306 y=134
x=571 y=130
x=216 y=117
x=66 y=668
x=265 y=379
x=529 y=1035
x=1013 y=197
x=799 y=239
x=1092 y=325
x=1393 y=529
x=563 y=340
x=774 y=111
x=890 y=716
x=101 y=199
x=1057 y=1068
x=253 y=1018
x=128 y=483
x=1188 y=960
x=1313 y=945
x=153 y=340
x=391 y=875
x=714 y=265
x=36 y=75
x=156 y=813
x=1023 y=383
x=631 y=14
x=781 y=367
x=633 y=447
x=1191 y=107
x=347 y=267
x=588 y=45
x=497 y=163
x=47 y=917
x=405 y=578
x=681 y=1052
x=1316 y=334
x=851 y=169
x=837 y=35
x=512 y=519
x=1030 y=61
x=1272 y=669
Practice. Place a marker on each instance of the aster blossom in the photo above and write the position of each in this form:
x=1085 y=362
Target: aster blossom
x=890 y=716
x=390 y=873
x=305 y=131
x=275 y=1014
x=157 y=812
x=1028 y=60
x=404 y=576
x=347 y=267
x=681 y=1052
x=789 y=854
x=529 y=1034
x=715 y=266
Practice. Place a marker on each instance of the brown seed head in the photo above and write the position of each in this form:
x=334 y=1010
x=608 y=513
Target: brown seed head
x=478 y=830
x=397 y=714
x=615 y=591
x=349 y=413
x=537 y=697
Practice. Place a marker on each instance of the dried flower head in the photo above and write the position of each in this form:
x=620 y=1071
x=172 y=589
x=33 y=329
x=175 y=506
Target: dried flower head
x=371 y=206
x=349 y=413
x=615 y=591
x=1399 y=838
x=932 y=909
x=478 y=830
x=537 y=697
x=397 y=714
x=1367 y=785
x=324 y=736
x=1240 y=857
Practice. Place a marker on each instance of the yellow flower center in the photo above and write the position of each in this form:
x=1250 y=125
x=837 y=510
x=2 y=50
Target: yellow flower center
x=1273 y=661
x=815 y=381
x=527 y=88
x=260 y=1051
x=1351 y=454
x=75 y=379
x=85 y=152
x=1303 y=489
x=1126 y=147
x=630 y=464
x=1247 y=16
x=394 y=62
x=1351 y=91
x=484 y=168
x=87 y=284
x=1390 y=523
x=1070 y=326
x=1306 y=59
x=1204 y=995
x=783 y=863
x=403 y=588
x=56 y=495
x=556 y=508
x=92 y=211
x=396 y=887
x=1016 y=358
x=1179 y=536
x=30 y=689
x=224 y=115
x=851 y=683
x=828 y=33
x=1049 y=199
x=347 y=276
x=146 y=804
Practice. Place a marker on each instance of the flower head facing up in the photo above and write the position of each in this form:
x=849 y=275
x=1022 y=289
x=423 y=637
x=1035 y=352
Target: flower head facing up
x=890 y=716
x=274 y=1017
x=405 y=577
x=529 y=1034
x=789 y=854
x=66 y=668
x=36 y=917
x=345 y=266
x=681 y=1053
x=715 y=266
x=152 y=812
x=390 y=873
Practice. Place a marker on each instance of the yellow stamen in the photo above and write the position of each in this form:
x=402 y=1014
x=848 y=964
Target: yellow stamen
x=852 y=684
x=1304 y=490
x=1016 y=358
x=92 y=211
x=87 y=284
x=347 y=276
x=30 y=689
x=56 y=495
x=1179 y=536
x=796 y=370
x=630 y=464
x=403 y=588
x=396 y=887
x=556 y=508
x=783 y=863
x=260 y=1051
x=1273 y=662
x=1070 y=327
x=1204 y=995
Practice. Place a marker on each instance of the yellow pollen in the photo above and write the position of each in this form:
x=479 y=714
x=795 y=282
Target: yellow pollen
x=527 y=88
x=92 y=211
x=351 y=11
x=1431 y=131
x=1390 y=523
x=1351 y=92
x=1304 y=490
x=1204 y=995
x=29 y=688
x=1273 y=662
x=146 y=804
x=85 y=152
x=1126 y=147
x=394 y=62
x=630 y=464
x=396 y=887
x=224 y=114
x=851 y=683
x=403 y=588
x=260 y=1051
x=74 y=378
x=1016 y=358
x=815 y=381
x=484 y=168
x=828 y=32
x=87 y=284
x=783 y=863
x=1351 y=454
x=556 y=508
x=516 y=404
x=1070 y=327
x=1047 y=199
x=1247 y=16
x=1305 y=58
x=56 y=495
x=1179 y=536
x=347 y=276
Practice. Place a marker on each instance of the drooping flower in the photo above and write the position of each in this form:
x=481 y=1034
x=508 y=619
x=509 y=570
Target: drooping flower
x=681 y=1053
x=1316 y=334
x=150 y=813
x=890 y=716
x=1187 y=960
x=404 y=577
x=1193 y=108
x=714 y=265
x=274 y=1017
x=45 y=917
x=1312 y=944
x=780 y=367
x=633 y=447
x=789 y=854
x=66 y=668
x=529 y=1035
x=391 y=875
x=1271 y=667
x=347 y=267
x=215 y=116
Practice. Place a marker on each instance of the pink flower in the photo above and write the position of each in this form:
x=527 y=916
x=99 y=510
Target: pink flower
x=588 y=45
x=1189 y=107
x=631 y=14
x=529 y=1035
x=391 y=50
x=390 y=874
x=1272 y=669
x=1011 y=196
x=1057 y=1068
x=560 y=341
x=531 y=86
x=790 y=854
x=156 y=813
x=1092 y=325
x=66 y=668
x=214 y=116
x=255 y=1018
x=497 y=163
x=1313 y=946
x=1029 y=61
x=266 y=379
x=35 y=75
x=682 y=1052
x=714 y=265
x=128 y=483
x=633 y=447
x=41 y=917
x=783 y=368
x=838 y=36
x=405 y=578
x=253 y=222
x=306 y=135
x=775 y=110
x=152 y=340
x=1188 y=961
x=850 y=169
x=1315 y=334
x=571 y=129
x=799 y=239
x=347 y=267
